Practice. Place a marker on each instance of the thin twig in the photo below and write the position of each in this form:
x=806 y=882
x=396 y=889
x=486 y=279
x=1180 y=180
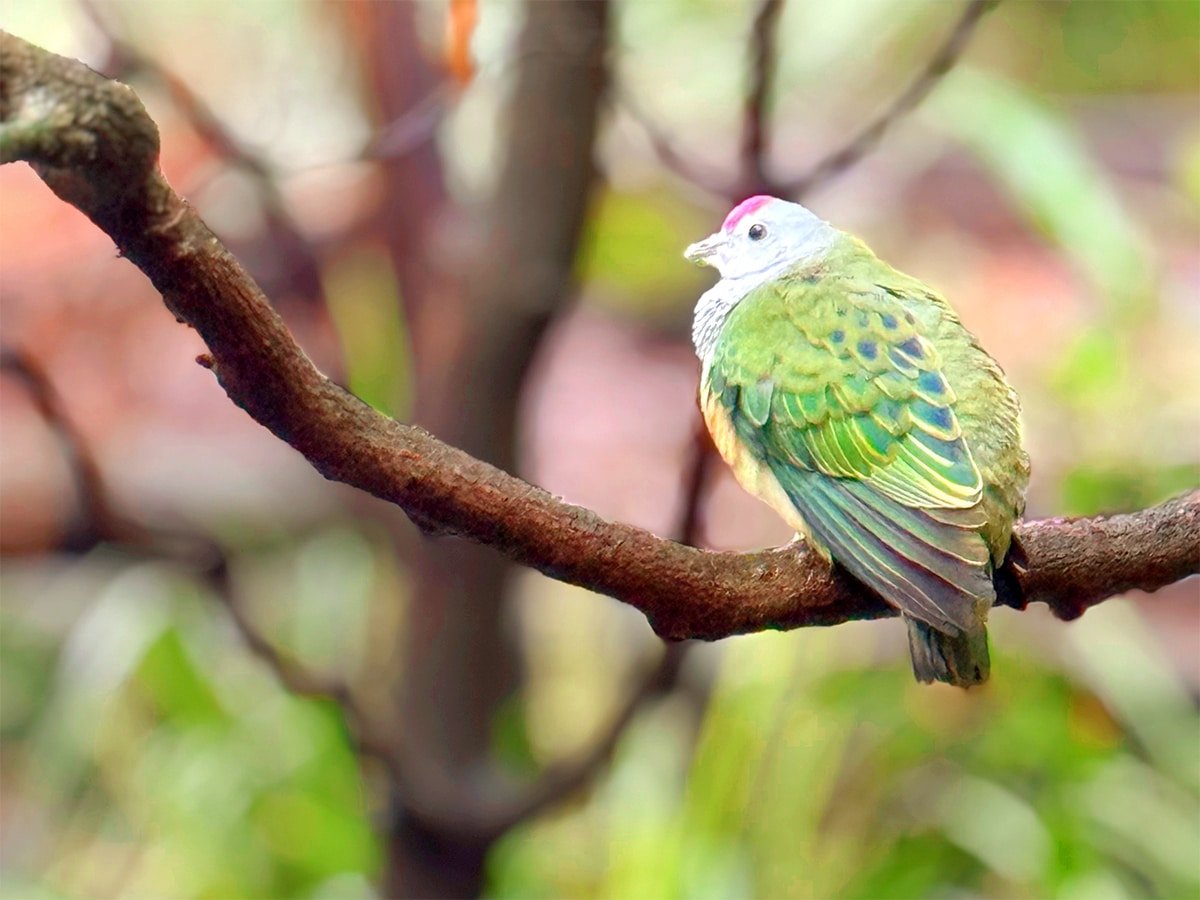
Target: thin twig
x=97 y=517
x=411 y=129
x=753 y=176
x=366 y=735
x=701 y=455
x=755 y=142
x=298 y=255
x=699 y=176
x=868 y=138
x=100 y=522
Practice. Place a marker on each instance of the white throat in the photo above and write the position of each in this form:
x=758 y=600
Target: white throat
x=789 y=236
x=715 y=304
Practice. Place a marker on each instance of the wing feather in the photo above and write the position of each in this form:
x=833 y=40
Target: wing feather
x=849 y=408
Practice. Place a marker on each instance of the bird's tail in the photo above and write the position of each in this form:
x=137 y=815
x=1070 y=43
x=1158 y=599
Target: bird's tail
x=960 y=659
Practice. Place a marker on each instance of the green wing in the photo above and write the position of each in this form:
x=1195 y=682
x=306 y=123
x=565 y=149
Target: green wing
x=832 y=385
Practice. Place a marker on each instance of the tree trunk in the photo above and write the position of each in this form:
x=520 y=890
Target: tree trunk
x=474 y=344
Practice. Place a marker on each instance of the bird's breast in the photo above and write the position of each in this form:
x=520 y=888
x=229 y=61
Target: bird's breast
x=748 y=468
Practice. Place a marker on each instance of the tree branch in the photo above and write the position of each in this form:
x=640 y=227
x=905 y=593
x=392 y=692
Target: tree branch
x=297 y=256
x=369 y=735
x=754 y=118
x=753 y=177
x=100 y=522
x=93 y=144
x=97 y=517
x=927 y=79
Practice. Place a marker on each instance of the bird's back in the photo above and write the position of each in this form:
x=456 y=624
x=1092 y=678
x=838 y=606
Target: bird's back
x=987 y=407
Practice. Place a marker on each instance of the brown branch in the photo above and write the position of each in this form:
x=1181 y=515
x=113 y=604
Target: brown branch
x=753 y=177
x=1074 y=564
x=754 y=118
x=298 y=257
x=97 y=517
x=100 y=522
x=564 y=779
x=94 y=145
x=669 y=156
x=927 y=79
x=411 y=128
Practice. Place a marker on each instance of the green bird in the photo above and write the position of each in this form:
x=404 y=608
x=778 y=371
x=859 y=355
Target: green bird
x=850 y=398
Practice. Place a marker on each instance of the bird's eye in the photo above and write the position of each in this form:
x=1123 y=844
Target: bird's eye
x=757 y=232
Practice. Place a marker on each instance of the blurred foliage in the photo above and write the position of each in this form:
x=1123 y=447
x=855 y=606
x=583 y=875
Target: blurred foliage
x=629 y=236
x=1110 y=48
x=188 y=771
x=147 y=753
x=366 y=310
x=178 y=765
x=1040 y=161
x=814 y=780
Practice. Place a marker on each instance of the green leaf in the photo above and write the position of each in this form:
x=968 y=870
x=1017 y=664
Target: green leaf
x=179 y=690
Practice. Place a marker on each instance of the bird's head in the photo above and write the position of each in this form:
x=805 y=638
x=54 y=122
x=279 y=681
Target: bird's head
x=761 y=235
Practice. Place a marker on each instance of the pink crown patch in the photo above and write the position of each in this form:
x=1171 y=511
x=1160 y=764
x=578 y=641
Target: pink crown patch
x=743 y=209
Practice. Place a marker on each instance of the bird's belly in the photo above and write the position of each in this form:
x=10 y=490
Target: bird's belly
x=750 y=471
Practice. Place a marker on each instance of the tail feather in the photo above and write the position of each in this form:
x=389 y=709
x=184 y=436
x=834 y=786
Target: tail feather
x=960 y=659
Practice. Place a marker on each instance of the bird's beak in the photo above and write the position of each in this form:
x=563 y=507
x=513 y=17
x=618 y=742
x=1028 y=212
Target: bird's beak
x=702 y=251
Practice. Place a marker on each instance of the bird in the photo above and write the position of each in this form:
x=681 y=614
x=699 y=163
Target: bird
x=851 y=399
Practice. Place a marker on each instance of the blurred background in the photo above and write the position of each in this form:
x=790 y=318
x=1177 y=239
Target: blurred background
x=224 y=676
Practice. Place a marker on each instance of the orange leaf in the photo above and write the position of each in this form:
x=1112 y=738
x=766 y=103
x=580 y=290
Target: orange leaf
x=460 y=25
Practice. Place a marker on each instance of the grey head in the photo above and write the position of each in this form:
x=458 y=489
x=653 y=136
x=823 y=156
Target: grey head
x=760 y=239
